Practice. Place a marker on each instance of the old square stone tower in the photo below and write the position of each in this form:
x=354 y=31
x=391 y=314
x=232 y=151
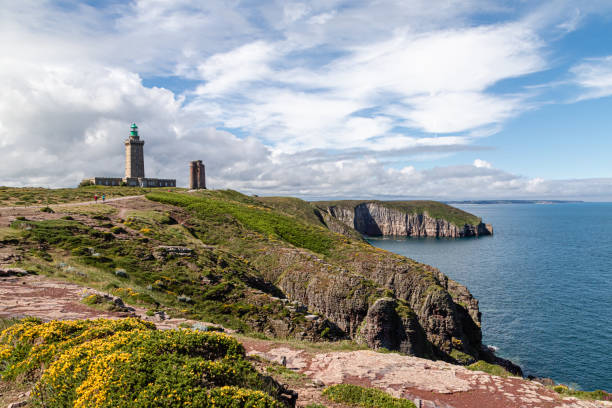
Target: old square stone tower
x=134 y=167
x=134 y=155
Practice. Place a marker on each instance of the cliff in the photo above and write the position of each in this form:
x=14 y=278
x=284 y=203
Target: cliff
x=268 y=265
x=410 y=219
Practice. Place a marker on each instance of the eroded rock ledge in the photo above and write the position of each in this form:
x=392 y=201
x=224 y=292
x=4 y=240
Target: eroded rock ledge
x=376 y=218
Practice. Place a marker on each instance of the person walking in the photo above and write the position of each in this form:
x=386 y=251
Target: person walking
x=103 y=197
x=96 y=198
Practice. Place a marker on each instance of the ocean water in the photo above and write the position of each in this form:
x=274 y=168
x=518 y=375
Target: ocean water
x=544 y=283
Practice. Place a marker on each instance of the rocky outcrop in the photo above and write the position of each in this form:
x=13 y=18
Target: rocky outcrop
x=387 y=327
x=386 y=301
x=374 y=219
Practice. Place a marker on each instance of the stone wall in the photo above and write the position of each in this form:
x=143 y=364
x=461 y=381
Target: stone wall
x=106 y=181
x=149 y=182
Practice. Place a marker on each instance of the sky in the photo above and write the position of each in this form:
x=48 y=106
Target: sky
x=420 y=99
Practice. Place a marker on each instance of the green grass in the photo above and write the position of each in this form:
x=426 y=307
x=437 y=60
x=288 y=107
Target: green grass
x=599 y=395
x=489 y=368
x=435 y=209
x=280 y=371
x=99 y=302
x=364 y=397
x=252 y=217
x=10 y=196
x=300 y=209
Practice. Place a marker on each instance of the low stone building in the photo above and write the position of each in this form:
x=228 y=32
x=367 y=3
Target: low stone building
x=134 y=167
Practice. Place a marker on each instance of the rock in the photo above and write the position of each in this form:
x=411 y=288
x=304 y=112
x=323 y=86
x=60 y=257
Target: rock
x=160 y=315
x=318 y=383
x=118 y=302
x=17 y=404
x=164 y=251
x=311 y=317
x=431 y=309
x=384 y=328
x=206 y=327
x=6 y=272
x=121 y=273
x=374 y=219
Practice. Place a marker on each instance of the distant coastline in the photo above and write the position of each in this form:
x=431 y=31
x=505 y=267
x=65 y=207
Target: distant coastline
x=514 y=202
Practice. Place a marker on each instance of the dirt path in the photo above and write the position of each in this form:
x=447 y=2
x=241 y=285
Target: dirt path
x=429 y=383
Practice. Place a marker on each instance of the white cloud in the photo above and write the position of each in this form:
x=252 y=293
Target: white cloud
x=482 y=163
x=406 y=80
x=294 y=11
x=225 y=71
x=595 y=77
x=327 y=98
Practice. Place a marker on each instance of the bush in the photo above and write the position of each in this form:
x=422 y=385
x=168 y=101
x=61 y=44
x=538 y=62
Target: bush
x=365 y=397
x=102 y=362
x=118 y=230
x=47 y=209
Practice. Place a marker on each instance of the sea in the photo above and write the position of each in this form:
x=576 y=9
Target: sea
x=543 y=282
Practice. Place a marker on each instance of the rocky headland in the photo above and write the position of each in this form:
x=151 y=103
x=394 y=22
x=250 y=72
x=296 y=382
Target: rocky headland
x=276 y=267
x=405 y=218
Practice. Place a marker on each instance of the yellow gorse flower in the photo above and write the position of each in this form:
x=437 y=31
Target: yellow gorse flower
x=96 y=363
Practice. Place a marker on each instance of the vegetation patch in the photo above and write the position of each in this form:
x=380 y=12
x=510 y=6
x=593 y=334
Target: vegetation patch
x=128 y=363
x=599 y=395
x=253 y=217
x=364 y=397
x=489 y=368
x=283 y=372
x=47 y=196
x=210 y=285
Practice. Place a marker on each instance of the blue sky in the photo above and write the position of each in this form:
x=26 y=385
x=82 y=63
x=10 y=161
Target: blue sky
x=445 y=99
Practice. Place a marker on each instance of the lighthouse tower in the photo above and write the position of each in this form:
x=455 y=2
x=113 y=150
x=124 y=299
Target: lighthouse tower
x=134 y=155
x=134 y=167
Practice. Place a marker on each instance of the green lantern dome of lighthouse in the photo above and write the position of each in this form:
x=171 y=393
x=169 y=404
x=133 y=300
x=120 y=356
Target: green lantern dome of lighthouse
x=134 y=131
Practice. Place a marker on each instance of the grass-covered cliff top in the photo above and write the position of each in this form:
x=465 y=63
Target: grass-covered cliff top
x=30 y=196
x=435 y=209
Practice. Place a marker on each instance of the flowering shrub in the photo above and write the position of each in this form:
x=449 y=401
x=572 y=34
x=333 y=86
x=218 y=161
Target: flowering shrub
x=128 y=363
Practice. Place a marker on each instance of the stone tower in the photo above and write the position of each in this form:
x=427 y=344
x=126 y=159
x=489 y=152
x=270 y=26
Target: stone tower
x=197 y=175
x=134 y=155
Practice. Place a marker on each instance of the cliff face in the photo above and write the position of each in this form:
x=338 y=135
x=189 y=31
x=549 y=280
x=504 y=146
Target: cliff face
x=374 y=219
x=386 y=301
